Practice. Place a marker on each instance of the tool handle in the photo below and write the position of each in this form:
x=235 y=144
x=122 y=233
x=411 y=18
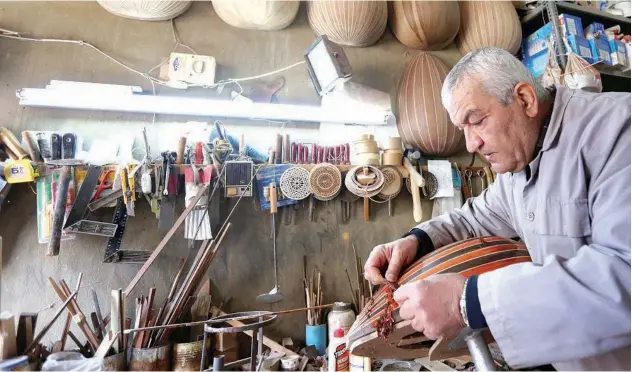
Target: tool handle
x=12 y=144
x=31 y=146
x=286 y=149
x=182 y=141
x=413 y=174
x=347 y=153
x=59 y=211
x=273 y=198
x=242 y=144
x=278 y=149
x=414 y=190
x=271 y=158
x=366 y=209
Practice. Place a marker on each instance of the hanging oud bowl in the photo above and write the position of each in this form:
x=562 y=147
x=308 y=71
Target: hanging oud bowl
x=468 y=257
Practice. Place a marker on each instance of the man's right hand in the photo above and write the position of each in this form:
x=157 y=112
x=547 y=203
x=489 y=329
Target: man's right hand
x=394 y=256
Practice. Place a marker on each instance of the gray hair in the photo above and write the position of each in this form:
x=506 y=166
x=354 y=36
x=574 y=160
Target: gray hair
x=498 y=72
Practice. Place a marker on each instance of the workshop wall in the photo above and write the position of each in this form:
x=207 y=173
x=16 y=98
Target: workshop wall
x=243 y=268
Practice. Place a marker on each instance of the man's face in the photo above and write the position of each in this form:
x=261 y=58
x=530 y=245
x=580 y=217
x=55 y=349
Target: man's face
x=503 y=134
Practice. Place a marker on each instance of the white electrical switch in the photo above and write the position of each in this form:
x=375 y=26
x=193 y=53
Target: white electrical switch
x=192 y=68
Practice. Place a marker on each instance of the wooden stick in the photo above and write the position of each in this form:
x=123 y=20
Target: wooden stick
x=64 y=334
x=74 y=309
x=226 y=320
x=97 y=310
x=47 y=327
x=352 y=292
x=164 y=241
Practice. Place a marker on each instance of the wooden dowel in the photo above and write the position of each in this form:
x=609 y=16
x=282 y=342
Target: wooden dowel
x=47 y=327
x=215 y=321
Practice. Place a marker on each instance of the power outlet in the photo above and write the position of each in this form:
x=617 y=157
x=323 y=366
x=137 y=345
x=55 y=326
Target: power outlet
x=192 y=69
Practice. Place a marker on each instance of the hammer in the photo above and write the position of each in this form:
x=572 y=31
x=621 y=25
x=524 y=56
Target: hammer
x=59 y=206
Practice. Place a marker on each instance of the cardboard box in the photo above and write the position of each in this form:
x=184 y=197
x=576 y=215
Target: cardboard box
x=601 y=53
x=618 y=53
x=594 y=30
x=571 y=25
x=580 y=46
x=537 y=64
x=537 y=41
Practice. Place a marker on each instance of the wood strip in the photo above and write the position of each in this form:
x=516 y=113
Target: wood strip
x=164 y=241
x=47 y=327
x=74 y=309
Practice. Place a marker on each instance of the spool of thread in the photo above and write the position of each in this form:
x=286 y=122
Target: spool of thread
x=12 y=144
x=392 y=157
x=392 y=143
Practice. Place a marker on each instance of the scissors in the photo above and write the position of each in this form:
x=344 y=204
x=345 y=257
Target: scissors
x=103 y=184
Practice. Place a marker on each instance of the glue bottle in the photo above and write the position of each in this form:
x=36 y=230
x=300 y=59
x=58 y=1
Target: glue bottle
x=338 y=355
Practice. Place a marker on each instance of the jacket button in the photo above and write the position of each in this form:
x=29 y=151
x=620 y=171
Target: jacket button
x=530 y=216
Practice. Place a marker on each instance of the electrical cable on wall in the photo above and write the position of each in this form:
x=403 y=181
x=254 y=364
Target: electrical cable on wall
x=9 y=34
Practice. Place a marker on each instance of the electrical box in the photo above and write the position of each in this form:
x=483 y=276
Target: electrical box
x=192 y=68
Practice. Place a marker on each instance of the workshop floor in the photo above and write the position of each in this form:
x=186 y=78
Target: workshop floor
x=243 y=268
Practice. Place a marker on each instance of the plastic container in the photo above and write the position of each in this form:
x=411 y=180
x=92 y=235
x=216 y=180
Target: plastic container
x=316 y=335
x=337 y=353
x=341 y=316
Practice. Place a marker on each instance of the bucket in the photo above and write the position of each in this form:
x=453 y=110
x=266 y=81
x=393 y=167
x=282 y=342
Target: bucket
x=187 y=356
x=316 y=335
x=153 y=359
x=290 y=362
x=115 y=362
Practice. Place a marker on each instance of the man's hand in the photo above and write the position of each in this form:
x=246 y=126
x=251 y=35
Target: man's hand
x=394 y=255
x=432 y=305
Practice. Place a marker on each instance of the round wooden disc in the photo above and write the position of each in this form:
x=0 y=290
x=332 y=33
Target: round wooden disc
x=325 y=181
x=393 y=183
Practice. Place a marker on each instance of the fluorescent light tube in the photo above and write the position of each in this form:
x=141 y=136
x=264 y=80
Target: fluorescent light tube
x=128 y=100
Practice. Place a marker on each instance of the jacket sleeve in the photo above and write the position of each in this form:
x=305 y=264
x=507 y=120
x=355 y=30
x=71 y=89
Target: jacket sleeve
x=485 y=215
x=576 y=308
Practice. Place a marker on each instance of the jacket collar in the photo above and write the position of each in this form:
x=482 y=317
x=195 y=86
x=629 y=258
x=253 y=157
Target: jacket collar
x=562 y=96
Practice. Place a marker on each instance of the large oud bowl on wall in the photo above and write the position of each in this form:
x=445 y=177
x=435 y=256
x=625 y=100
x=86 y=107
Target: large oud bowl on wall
x=488 y=23
x=469 y=257
x=267 y=15
x=423 y=122
x=426 y=25
x=146 y=10
x=354 y=23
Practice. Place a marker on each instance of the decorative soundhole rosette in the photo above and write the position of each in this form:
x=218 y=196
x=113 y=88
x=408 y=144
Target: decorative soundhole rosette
x=295 y=183
x=325 y=181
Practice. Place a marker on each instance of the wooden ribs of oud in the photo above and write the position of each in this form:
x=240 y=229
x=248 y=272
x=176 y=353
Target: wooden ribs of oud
x=468 y=257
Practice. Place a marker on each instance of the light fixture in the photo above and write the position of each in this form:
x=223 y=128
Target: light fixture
x=327 y=65
x=120 y=98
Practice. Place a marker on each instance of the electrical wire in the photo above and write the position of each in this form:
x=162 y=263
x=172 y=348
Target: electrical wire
x=9 y=34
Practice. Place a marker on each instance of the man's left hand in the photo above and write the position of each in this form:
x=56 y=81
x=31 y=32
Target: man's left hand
x=433 y=305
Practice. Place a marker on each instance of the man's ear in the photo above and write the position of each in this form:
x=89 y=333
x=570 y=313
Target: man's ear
x=525 y=95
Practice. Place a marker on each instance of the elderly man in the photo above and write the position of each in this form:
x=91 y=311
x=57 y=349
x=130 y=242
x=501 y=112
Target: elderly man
x=564 y=189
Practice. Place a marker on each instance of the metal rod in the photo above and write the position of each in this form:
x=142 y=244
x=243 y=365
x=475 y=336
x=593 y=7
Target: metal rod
x=480 y=353
x=50 y=324
x=560 y=49
x=215 y=321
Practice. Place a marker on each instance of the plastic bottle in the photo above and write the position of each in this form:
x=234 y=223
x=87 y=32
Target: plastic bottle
x=338 y=355
x=341 y=316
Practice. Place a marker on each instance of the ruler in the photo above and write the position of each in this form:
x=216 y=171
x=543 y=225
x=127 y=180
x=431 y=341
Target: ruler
x=93 y=228
x=113 y=251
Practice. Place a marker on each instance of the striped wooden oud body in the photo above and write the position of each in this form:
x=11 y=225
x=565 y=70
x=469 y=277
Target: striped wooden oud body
x=468 y=257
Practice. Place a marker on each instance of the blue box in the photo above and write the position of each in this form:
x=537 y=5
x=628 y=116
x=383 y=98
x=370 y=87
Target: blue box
x=580 y=46
x=571 y=25
x=537 y=41
x=600 y=48
x=593 y=30
x=618 y=53
x=537 y=63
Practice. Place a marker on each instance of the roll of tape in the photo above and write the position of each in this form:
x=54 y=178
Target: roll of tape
x=394 y=158
x=392 y=143
x=366 y=147
x=368 y=159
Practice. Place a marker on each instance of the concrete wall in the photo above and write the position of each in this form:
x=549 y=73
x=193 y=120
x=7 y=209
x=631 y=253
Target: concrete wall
x=243 y=268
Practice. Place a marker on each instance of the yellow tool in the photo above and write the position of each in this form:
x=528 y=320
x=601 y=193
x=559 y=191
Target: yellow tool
x=131 y=180
x=17 y=171
x=128 y=199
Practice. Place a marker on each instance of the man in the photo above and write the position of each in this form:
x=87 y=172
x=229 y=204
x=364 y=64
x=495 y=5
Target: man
x=563 y=159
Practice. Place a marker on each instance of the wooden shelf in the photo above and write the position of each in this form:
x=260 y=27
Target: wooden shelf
x=345 y=168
